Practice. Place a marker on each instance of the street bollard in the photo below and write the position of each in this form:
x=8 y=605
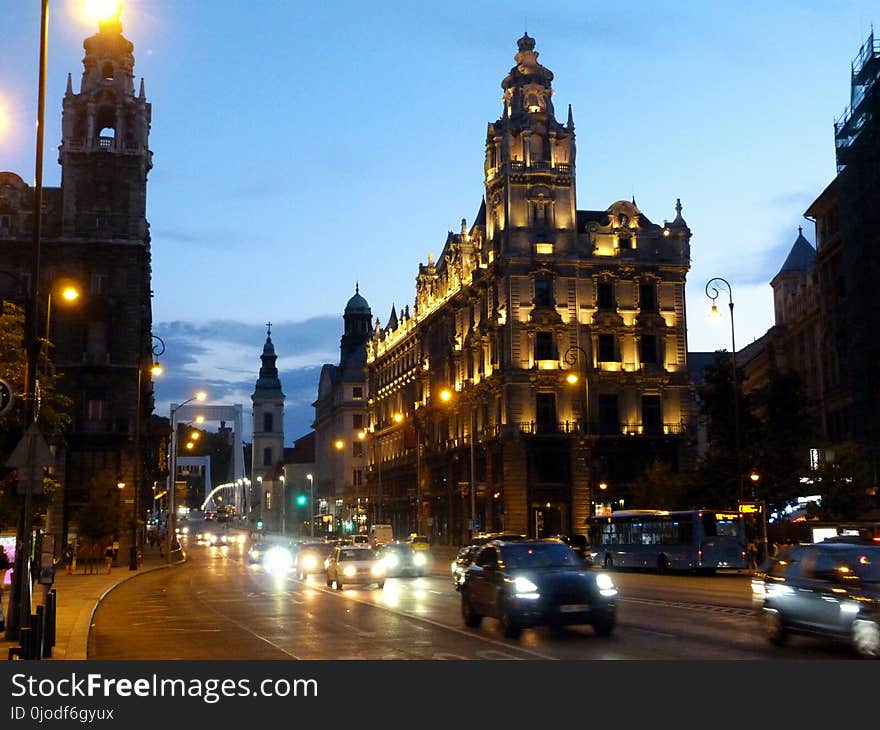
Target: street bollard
x=53 y=618
x=24 y=641
x=37 y=620
x=47 y=629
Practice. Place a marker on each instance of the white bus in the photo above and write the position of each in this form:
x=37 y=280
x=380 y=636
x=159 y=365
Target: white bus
x=693 y=540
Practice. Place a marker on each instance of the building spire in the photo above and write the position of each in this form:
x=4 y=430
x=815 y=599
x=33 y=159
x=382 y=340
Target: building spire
x=268 y=329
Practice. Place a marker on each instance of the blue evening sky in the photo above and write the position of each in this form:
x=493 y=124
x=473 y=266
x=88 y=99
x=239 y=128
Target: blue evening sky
x=300 y=147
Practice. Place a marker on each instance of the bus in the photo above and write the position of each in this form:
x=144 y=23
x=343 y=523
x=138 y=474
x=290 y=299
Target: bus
x=662 y=540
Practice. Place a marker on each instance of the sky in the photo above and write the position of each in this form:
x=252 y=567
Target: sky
x=299 y=148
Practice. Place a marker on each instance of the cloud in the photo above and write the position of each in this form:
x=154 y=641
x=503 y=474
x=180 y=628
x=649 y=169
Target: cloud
x=222 y=357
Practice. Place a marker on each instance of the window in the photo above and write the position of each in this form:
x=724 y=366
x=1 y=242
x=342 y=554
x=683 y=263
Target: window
x=545 y=410
x=648 y=296
x=267 y=456
x=605 y=295
x=96 y=345
x=268 y=499
x=357 y=393
x=357 y=449
x=95 y=410
x=357 y=477
x=545 y=347
x=648 y=349
x=609 y=423
x=357 y=421
x=652 y=414
x=607 y=348
x=543 y=292
x=267 y=422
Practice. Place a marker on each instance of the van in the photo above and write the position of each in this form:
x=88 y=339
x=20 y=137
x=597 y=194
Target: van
x=381 y=534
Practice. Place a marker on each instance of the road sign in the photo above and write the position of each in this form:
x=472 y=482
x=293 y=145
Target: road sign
x=6 y=397
x=30 y=457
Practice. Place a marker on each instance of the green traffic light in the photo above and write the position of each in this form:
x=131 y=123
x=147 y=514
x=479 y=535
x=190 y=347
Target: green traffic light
x=301 y=500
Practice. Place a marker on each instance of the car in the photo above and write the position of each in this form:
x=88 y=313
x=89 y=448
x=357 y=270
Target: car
x=360 y=538
x=482 y=538
x=578 y=543
x=464 y=558
x=354 y=564
x=311 y=558
x=826 y=589
x=401 y=559
x=526 y=583
x=419 y=542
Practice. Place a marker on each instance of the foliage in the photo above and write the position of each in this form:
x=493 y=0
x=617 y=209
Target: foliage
x=53 y=417
x=844 y=483
x=659 y=487
x=98 y=520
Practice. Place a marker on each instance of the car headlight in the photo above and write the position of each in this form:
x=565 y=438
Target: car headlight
x=309 y=562
x=185 y=531
x=419 y=560
x=524 y=588
x=378 y=569
x=391 y=560
x=277 y=560
x=454 y=567
x=349 y=570
x=605 y=584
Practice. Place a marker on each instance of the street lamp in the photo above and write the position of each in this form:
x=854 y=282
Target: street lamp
x=157 y=349
x=311 y=504
x=172 y=474
x=713 y=293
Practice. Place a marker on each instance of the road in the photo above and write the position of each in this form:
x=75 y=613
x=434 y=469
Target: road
x=215 y=606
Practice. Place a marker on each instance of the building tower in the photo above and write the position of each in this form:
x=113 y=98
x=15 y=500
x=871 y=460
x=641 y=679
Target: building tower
x=104 y=152
x=341 y=436
x=268 y=413
x=95 y=234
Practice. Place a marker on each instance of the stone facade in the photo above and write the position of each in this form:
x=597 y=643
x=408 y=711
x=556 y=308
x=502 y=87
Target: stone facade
x=545 y=351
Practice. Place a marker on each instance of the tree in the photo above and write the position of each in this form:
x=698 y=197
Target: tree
x=844 y=482
x=660 y=488
x=53 y=416
x=785 y=433
x=98 y=520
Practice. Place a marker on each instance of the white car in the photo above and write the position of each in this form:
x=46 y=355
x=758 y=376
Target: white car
x=354 y=564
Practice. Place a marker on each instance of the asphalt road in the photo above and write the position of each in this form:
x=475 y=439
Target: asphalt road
x=215 y=606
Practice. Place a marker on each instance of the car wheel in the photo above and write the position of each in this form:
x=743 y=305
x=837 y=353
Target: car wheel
x=774 y=627
x=509 y=625
x=470 y=617
x=381 y=584
x=662 y=564
x=866 y=638
x=338 y=584
x=604 y=625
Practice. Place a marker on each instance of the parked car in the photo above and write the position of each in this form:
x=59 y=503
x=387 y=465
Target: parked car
x=354 y=564
x=826 y=589
x=311 y=558
x=528 y=583
x=402 y=559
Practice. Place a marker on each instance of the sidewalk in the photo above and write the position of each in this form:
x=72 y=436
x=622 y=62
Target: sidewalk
x=78 y=596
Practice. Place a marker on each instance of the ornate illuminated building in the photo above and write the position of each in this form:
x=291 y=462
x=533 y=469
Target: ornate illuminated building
x=95 y=235
x=545 y=352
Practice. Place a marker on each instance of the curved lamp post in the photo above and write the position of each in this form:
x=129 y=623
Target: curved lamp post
x=713 y=292
x=172 y=473
x=157 y=348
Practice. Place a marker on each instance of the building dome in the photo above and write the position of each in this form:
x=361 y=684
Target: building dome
x=357 y=304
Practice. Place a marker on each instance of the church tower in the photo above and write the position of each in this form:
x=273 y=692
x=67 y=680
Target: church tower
x=358 y=329
x=268 y=400
x=104 y=152
x=529 y=166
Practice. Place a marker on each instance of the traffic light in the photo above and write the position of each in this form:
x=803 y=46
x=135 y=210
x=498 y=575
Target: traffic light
x=301 y=500
x=259 y=524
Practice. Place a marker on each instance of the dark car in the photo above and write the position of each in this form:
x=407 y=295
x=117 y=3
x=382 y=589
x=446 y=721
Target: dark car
x=310 y=558
x=578 y=543
x=464 y=558
x=401 y=559
x=536 y=583
x=827 y=589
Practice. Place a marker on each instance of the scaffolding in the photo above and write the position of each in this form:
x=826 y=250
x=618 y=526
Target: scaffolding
x=865 y=74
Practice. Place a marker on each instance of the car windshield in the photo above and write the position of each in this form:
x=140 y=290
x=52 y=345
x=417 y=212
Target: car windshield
x=395 y=548
x=356 y=554
x=320 y=549
x=539 y=555
x=419 y=539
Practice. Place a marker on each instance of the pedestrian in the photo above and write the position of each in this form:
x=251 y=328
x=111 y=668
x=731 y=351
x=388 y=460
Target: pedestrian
x=5 y=564
x=108 y=556
x=67 y=558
